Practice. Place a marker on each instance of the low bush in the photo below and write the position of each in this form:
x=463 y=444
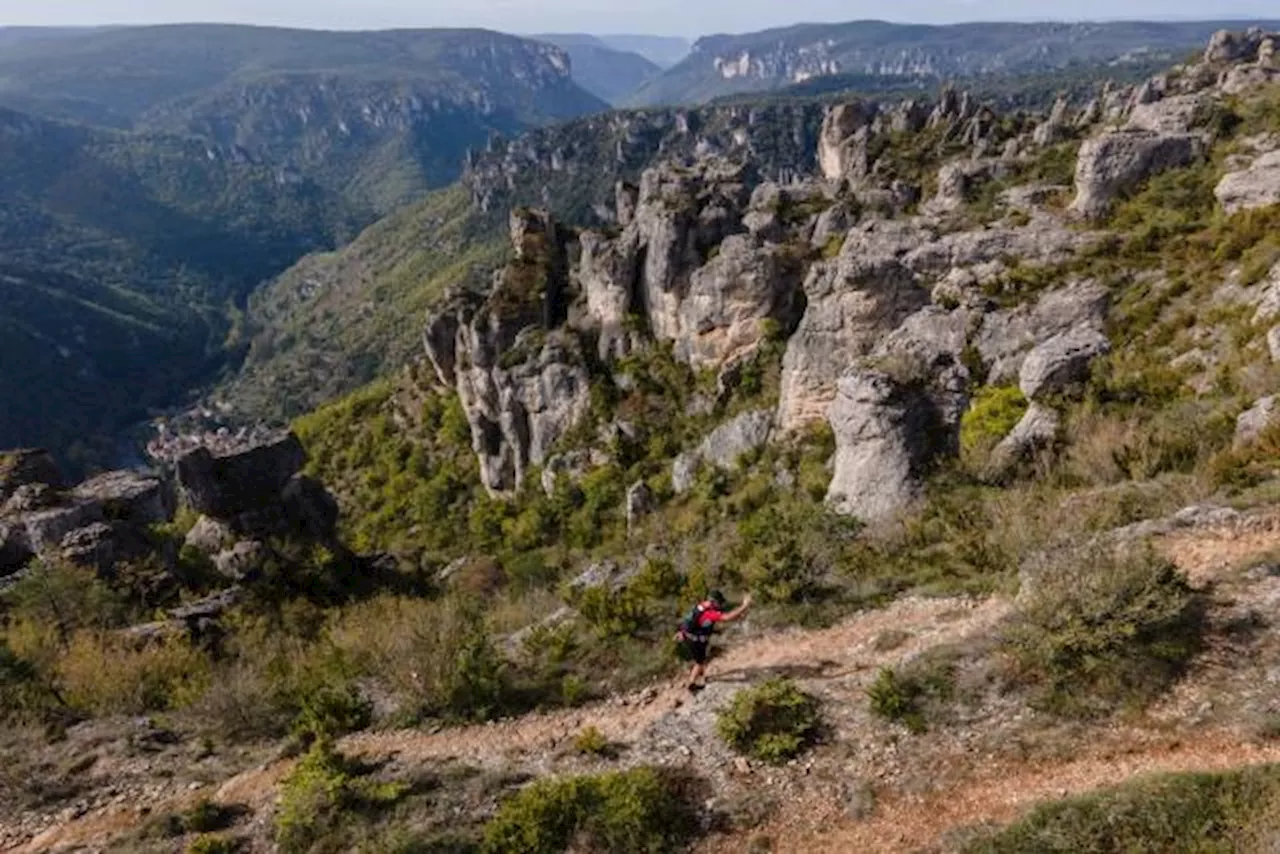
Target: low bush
x=592 y=742
x=320 y=799
x=994 y=412
x=1101 y=629
x=642 y=811
x=213 y=843
x=908 y=695
x=1228 y=812
x=772 y=722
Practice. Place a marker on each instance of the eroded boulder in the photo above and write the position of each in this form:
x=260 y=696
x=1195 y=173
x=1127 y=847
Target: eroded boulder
x=1036 y=432
x=1062 y=363
x=27 y=466
x=241 y=479
x=1004 y=338
x=888 y=434
x=723 y=447
x=1257 y=186
x=1253 y=422
x=130 y=496
x=1114 y=163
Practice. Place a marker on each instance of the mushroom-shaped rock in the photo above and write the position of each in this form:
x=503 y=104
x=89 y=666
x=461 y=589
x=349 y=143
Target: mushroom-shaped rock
x=240 y=479
x=887 y=435
x=1061 y=363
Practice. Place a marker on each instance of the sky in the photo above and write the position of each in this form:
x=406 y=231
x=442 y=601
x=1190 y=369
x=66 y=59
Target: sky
x=688 y=18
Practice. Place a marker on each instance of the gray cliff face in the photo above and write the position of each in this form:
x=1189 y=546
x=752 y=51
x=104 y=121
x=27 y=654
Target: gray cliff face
x=889 y=301
x=888 y=434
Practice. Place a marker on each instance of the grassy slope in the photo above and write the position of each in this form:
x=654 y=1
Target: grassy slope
x=336 y=321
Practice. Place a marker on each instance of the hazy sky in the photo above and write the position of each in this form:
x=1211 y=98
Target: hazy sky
x=668 y=17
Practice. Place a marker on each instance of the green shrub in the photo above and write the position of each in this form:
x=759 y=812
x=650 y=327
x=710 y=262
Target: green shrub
x=905 y=696
x=641 y=811
x=331 y=711
x=1199 y=813
x=321 y=797
x=994 y=412
x=1102 y=629
x=772 y=722
x=212 y=843
x=592 y=742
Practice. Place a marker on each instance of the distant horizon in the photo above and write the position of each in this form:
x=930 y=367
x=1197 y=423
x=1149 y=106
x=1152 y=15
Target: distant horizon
x=624 y=33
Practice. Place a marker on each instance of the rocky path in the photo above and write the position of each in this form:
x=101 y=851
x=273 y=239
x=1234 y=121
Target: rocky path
x=924 y=787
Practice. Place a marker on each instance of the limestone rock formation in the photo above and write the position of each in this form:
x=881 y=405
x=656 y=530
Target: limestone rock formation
x=1251 y=423
x=1062 y=362
x=1004 y=338
x=130 y=496
x=1113 y=163
x=26 y=467
x=719 y=320
x=852 y=302
x=723 y=447
x=1036 y=432
x=1257 y=186
x=888 y=434
x=839 y=153
x=240 y=479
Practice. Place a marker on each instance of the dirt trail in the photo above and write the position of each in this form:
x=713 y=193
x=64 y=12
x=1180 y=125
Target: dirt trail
x=837 y=662
x=994 y=792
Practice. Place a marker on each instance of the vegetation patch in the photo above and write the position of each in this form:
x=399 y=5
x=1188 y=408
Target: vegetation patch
x=910 y=695
x=1102 y=629
x=1201 y=813
x=992 y=415
x=321 y=797
x=642 y=811
x=773 y=721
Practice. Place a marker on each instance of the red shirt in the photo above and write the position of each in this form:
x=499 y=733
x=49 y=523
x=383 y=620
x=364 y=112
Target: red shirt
x=707 y=619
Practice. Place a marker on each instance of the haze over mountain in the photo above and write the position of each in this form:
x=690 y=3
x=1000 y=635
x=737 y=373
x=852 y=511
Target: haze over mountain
x=609 y=73
x=154 y=176
x=754 y=62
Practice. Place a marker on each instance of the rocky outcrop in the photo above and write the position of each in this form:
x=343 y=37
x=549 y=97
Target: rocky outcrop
x=1062 y=363
x=1115 y=163
x=888 y=435
x=888 y=270
x=1178 y=114
x=1004 y=338
x=852 y=302
x=1257 y=186
x=841 y=151
x=1036 y=432
x=27 y=467
x=128 y=496
x=960 y=179
x=719 y=320
x=1252 y=423
x=723 y=447
x=239 y=479
x=518 y=413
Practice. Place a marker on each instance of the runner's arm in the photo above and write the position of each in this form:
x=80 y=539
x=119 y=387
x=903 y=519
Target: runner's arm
x=738 y=611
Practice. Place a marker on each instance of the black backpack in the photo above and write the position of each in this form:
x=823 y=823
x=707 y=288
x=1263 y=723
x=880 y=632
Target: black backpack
x=689 y=625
